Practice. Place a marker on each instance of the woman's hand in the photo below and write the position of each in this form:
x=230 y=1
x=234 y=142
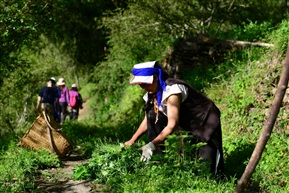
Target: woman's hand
x=129 y=143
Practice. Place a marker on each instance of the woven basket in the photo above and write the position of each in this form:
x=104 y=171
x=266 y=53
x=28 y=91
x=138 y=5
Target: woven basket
x=45 y=133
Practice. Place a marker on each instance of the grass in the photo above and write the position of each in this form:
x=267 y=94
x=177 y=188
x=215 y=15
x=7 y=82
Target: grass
x=18 y=167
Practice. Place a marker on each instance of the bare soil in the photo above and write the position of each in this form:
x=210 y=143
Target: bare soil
x=60 y=180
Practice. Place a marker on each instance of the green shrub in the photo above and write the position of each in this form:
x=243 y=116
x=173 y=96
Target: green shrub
x=252 y=31
x=279 y=38
x=121 y=170
x=18 y=168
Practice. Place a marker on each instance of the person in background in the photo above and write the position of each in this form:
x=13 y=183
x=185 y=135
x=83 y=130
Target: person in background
x=46 y=97
x=173 y=105
x=56 y=105
x=63 y=100
x=75 y=102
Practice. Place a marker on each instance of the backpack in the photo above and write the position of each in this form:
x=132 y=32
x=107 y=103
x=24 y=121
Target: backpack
x=73 y=99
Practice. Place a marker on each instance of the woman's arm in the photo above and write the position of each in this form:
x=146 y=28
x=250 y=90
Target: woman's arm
x=173 y=111
x=141 y=130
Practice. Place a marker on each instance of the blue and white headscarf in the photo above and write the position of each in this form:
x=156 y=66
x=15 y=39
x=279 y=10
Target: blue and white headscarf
x=143 y=74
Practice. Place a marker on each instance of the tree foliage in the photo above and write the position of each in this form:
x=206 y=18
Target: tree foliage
x=108 y=36
x=189 y=17
x=73 y=22
x=70 y=26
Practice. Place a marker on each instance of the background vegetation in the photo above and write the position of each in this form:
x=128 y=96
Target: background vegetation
x=95 y=43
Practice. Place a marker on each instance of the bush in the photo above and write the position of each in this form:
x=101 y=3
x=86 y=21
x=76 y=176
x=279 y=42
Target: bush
x=252 y=31
x=19 y=166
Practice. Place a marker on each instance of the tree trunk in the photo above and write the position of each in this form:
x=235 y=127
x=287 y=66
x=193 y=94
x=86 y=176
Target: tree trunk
x=267 y=130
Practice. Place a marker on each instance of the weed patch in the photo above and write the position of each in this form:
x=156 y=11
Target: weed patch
x=19 y=166
x=121 y=170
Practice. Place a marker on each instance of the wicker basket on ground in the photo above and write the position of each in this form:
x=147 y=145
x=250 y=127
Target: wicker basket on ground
x=45 y=133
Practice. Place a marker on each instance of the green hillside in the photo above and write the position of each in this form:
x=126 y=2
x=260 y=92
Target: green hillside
x=96 y=43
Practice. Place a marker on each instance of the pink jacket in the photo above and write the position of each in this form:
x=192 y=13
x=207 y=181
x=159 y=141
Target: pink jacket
x=64 y=95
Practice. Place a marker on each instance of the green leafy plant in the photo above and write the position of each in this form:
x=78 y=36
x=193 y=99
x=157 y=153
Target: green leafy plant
x=116 y=166
x=19 y=166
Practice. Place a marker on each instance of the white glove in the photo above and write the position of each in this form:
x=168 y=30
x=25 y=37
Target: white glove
x=147 y=151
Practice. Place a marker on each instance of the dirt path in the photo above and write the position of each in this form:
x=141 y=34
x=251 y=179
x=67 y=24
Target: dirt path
x=60 y=180
x=85 y=111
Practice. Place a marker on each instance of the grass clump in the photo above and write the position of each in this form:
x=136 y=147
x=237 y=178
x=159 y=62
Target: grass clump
x=121 y=170
x=19 y=166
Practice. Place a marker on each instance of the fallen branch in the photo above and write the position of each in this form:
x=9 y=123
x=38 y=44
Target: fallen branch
x=244 y=43
x=231 y=43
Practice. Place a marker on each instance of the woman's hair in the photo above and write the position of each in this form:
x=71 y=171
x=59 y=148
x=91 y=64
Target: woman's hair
x=165 y=74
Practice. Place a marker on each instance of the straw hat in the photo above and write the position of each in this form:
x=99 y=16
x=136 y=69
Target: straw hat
x=61 y=81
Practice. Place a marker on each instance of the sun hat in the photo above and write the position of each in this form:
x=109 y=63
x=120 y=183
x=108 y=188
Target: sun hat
x=143 y=73
x=74 y=86
x=61 y=81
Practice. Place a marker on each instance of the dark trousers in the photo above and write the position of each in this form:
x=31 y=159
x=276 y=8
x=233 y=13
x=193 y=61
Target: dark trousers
x=213 y=151
x=63 y=111
x=56 y=112
x=73 y=113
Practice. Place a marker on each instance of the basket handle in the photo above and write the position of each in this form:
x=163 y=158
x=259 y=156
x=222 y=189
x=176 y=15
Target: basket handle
x=49 y=133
